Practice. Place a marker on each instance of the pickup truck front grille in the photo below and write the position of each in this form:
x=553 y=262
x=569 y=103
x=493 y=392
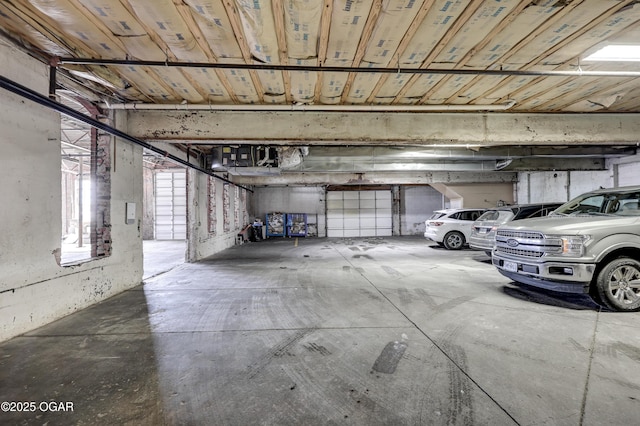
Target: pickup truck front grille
x=521 y=234
x=520 y=253
x=524 y=244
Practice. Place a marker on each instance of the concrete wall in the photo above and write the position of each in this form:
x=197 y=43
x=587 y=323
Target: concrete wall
x=296 y=199
x=148 y=212
x=34 y=288
x=209 y=229
x=416 y=205
x=536 y=187
x=625 y=171
x=416 y=202
x=476 y=195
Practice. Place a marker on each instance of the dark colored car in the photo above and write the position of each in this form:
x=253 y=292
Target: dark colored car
x=483 y=230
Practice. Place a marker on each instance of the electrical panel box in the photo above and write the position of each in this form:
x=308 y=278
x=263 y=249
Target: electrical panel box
x=130 y=213
x=237 y=156
x=223 y=158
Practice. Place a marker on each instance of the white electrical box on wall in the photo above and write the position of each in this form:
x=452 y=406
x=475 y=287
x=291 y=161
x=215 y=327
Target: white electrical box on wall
x=130 y=213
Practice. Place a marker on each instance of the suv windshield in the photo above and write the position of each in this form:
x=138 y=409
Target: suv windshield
x=619 y=204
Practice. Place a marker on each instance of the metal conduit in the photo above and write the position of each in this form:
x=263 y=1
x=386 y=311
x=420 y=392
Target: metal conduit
x=294 y=108
x=275 y=67
x=27 y=93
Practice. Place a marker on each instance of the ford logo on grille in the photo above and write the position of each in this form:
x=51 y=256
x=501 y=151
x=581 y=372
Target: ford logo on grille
x=512 y=243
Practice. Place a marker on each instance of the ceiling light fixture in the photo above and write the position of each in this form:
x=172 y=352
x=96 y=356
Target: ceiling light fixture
x=616 y=53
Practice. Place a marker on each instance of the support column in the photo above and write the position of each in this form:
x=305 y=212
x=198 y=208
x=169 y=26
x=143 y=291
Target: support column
x=396 y=217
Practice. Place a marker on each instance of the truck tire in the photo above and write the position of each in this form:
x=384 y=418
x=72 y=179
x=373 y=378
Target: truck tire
x=617 y=285
x=454 y=240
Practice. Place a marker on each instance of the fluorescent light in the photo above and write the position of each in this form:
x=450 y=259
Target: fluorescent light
x=616 y=52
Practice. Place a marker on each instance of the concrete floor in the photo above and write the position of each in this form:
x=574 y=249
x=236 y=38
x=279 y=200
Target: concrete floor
x=390 y=331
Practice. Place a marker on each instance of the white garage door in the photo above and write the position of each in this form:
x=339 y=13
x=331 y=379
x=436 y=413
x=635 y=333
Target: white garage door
x=628 y=174
x=358 y=213
x=171 y=205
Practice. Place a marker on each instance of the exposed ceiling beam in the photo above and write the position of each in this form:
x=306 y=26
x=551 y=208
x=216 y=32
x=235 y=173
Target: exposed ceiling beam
x=376 y=178
x=380 y=128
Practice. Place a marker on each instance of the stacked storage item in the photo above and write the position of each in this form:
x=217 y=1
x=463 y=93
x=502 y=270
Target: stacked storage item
x=276 y=224
x=296 y=224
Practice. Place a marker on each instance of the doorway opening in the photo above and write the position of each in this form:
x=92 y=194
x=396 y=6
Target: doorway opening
x=164 y=216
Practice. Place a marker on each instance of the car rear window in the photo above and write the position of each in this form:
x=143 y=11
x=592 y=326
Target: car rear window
x=489 y=215
x=436 y=215
x=469 y=215
x=535 y=211
x=524 y=212
x=497 y=216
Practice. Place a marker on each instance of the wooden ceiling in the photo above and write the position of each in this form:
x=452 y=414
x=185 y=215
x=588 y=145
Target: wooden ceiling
x=494 y=54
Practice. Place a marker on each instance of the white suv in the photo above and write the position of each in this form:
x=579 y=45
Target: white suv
x=451 y=227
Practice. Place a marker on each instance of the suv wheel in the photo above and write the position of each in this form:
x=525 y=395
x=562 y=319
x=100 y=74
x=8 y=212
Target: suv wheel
x=618 y=285
x=454 y=240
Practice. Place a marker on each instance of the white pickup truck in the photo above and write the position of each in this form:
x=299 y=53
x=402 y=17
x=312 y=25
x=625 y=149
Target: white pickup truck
x=590 y=244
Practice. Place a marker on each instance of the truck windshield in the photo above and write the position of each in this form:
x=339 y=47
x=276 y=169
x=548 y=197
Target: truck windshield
x=618 y=204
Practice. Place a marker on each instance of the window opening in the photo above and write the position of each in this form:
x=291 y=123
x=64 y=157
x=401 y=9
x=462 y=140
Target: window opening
x=76 y=157
x=85 y=167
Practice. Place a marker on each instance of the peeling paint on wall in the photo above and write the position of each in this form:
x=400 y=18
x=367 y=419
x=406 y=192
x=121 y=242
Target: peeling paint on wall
x=226 y=203
x=236 y=207
x=243 y=202
x=211 y=210
x=101 y=239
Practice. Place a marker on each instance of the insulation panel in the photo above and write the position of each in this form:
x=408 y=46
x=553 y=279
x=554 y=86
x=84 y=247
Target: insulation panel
x=211 y=17
x=543 y=35
x=581 y=15
x=489 y=15
x=259 y=29
x=302 y=28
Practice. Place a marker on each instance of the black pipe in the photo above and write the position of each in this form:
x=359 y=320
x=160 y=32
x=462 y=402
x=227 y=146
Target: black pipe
x=52 y=82
x=36 y=97
x=275 y=67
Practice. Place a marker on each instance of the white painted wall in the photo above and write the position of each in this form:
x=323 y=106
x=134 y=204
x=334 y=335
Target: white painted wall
x=548 y=186
x=200 y=242
x=626 y=171
x=628 y=174
x=534 y=187
x=480 y=195
x=581 y=182
x=34 y=289
x=417 y=203
x=295 y=199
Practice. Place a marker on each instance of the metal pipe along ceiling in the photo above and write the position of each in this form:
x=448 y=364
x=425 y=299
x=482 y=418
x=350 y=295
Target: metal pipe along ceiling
x=304 y=107
x=27 y=93
x=275 y=67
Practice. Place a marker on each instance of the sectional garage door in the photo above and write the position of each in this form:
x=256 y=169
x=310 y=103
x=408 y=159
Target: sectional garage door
x=359 y=213
x=171 y=205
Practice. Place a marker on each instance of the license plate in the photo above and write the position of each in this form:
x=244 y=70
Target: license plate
x=510 y=266
x=482 y=231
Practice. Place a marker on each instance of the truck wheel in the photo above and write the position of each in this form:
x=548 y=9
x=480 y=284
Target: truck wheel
x=618 y=285
x=454 y=240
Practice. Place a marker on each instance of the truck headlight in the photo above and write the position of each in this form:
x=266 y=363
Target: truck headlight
x=571 y=245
